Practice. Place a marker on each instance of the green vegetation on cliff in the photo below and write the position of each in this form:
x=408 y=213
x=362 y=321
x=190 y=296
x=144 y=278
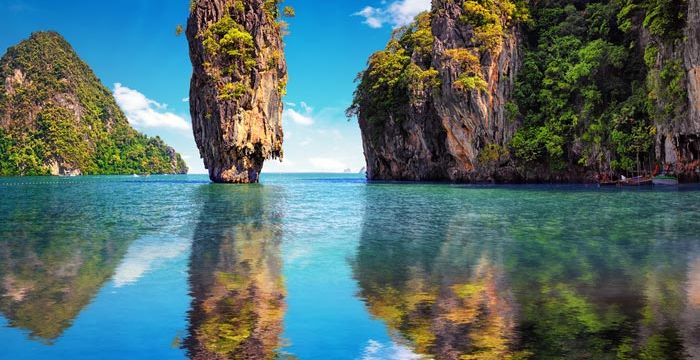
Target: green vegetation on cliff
x=406 y=68
x=56 y=117
x=590 y=95
x=547 y=90
x=383 y=90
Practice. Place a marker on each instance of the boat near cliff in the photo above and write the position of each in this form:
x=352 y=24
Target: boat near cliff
x=636 y=181
x=665 y=180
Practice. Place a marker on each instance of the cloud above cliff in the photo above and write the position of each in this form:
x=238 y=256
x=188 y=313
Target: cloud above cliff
x=395 y=14
x=301 y=117
x=143 y=112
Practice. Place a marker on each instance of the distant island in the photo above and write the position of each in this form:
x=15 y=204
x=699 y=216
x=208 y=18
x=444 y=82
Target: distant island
x=57 y=118
x=553 y=91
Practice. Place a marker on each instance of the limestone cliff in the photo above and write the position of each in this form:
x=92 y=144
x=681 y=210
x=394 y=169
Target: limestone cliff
x=447 y=100
x=239 y=78
x=687 y=135
x=511 y=91
x=692 y=62
x=678 y=131
x=56 y=118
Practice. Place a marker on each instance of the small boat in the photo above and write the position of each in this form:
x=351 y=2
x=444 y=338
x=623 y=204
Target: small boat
x=637 y=181
x=665 y=180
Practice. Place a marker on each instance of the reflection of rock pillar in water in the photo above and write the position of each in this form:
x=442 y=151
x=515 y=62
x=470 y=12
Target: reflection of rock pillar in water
x=482 y=305
x=691 y=328
x=236 y=282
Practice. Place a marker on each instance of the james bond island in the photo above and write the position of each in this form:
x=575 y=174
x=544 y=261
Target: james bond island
x=462 y=180
x=238 y=82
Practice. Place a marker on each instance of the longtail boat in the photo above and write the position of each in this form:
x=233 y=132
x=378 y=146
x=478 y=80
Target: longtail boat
x=637 y=181
x=665 y=180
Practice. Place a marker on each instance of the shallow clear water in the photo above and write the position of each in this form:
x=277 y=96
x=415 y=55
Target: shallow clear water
x=323 y=266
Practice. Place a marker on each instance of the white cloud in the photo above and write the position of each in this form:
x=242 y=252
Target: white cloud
x=308 y=109
x=397 y=13
x=298 y=118
x=146 y=255
x=376 y=351
x=302 y=118
x=327 y=164
x=146 y=113
x=186 y=99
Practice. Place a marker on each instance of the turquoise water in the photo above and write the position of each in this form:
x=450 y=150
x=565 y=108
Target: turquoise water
x=319 y=266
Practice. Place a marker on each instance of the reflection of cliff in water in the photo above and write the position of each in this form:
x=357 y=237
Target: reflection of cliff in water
x=235 y=275
x=54 y=259
x=442 y=292
x=497 y=280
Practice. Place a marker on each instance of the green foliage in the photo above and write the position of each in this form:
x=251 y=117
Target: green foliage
x=471 y=77
x=418 y=37
x=179 y=30
x=667 y=91
x=582 y=93
x=384 y=87
x=512 y=111
x=491 y=156
x=383 y=84
x=289 y=11
x=23 y=155
x=44 y=127
x=665 y=18
x=232 y=91
x=650 y=55
x=272 y=8
x=228 y=38
x=62 y=136
x=489 y=18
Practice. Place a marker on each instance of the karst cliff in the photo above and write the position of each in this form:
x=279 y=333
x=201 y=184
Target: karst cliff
x=56 y=118
x=518 y=91
x=239 y=78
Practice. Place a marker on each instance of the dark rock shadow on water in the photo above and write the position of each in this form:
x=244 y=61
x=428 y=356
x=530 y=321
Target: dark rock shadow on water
x=235 y=274
x=493 y=278
x=55 y=258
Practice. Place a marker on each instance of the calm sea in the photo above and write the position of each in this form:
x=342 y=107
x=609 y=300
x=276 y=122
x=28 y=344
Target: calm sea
x=319 y=266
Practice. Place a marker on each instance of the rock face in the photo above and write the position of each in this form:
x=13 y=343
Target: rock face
x=587 y=90
x=239 y=78
x=56 y=118
x=692 y=62
x=678 y=137
x=458 y=84
x=688 y=135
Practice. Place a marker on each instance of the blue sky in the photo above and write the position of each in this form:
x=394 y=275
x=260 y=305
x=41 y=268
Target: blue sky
x=132 y=47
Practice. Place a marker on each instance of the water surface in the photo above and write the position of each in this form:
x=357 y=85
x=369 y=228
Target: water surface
x=317 y=266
